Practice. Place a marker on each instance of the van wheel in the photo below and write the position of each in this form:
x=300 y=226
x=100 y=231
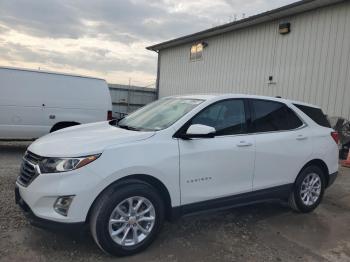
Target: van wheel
x=308 y=190
x=126 y=219
x=62 y=125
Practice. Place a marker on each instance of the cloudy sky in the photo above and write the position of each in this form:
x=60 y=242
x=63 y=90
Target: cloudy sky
x=107 y=38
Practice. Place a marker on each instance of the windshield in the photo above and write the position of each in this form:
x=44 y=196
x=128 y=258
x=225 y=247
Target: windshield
x=159 y=114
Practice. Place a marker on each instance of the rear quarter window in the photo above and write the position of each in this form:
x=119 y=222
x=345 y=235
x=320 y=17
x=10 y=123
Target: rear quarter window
x=315 y=114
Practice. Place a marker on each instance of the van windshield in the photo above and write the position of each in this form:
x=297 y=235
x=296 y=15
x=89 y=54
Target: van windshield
x=159 y=114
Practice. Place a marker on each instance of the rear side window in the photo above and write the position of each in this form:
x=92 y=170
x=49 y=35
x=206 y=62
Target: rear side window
x=273 y=116
x=315 y=114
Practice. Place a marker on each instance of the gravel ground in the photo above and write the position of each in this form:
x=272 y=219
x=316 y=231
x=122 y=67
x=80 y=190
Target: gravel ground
x=264 y=232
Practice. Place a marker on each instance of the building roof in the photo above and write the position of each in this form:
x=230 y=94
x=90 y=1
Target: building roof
x=278 y=13
x=48 y=72
x=131 y=87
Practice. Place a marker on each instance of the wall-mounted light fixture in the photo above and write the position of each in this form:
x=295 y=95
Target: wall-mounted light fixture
x=284 y=28
x=204 y=44
x=271 y=81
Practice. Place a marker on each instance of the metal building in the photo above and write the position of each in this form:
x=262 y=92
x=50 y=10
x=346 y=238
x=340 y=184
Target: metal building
x=126 y=99
x=300 y=51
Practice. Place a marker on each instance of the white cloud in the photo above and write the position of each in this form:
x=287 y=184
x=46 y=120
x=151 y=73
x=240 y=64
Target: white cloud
x=107 y=38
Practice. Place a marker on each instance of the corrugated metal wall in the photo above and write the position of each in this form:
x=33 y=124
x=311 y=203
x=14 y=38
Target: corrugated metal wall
x=311 y=64
x=127 y=99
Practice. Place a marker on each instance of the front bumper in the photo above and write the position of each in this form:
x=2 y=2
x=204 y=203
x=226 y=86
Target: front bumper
x=45 y=223
x=41 y=194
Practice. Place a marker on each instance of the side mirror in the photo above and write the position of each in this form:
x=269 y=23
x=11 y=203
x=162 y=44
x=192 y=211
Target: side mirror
x=200 y=131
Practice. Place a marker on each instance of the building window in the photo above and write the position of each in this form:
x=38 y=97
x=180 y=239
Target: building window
x=196 y=52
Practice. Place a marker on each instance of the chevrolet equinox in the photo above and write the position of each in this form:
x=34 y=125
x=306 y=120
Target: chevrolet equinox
x=175 y=156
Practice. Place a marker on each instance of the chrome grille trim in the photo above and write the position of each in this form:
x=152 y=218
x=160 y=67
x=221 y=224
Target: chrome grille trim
x=29 y=170
x=32 y=158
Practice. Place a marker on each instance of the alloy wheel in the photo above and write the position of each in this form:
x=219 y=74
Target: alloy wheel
x=131 y=221
x=310 y=190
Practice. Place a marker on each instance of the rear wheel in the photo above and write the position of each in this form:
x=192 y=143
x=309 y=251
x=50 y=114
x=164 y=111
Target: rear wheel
x=308 y=190
x=125 y=220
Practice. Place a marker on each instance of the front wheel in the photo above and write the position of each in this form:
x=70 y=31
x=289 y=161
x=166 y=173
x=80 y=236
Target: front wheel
x=308 y=190
x=125 y=220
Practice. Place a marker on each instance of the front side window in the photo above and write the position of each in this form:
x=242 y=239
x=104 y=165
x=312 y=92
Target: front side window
x=159 y=115
x=227 y=117
x=273 y=116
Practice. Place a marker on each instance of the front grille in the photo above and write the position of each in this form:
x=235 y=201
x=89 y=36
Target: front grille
x=33 y=158
x=28 y=172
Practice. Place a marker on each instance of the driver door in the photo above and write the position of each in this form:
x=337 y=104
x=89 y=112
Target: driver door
x=222 y=166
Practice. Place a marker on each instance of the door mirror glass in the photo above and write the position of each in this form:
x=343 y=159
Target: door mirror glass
x=198 y=130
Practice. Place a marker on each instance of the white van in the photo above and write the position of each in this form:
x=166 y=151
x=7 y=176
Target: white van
x=34 y=103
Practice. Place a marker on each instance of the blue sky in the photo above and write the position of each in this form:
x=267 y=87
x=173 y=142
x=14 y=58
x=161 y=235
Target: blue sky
x=107 y=38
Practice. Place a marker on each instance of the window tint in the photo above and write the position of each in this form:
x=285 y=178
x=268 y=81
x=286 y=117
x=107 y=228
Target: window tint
x=273 y=116
x=227 y=117
x=315 y=114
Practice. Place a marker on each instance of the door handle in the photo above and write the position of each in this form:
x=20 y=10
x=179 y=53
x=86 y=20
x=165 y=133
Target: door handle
x=301 y=137
x=244 y=144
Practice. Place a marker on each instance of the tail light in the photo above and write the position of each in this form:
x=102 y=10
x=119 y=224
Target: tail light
x=109 y=115
x=335 y=136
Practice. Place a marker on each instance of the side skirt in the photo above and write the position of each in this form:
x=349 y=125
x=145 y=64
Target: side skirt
x=263 y=195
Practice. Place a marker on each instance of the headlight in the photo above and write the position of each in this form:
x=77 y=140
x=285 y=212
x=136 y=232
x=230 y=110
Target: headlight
x=56 y=165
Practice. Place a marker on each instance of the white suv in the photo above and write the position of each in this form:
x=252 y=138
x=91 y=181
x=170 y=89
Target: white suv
x=176 y=156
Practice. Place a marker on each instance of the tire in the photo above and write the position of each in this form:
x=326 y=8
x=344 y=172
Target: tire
x=105 y=208
x=305 y=198
x=62 y=125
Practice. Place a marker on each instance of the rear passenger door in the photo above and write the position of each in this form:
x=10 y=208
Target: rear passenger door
x=282 y=143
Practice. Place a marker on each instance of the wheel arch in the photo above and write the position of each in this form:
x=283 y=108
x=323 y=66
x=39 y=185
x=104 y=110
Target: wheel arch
x=63 y=124
x=151 y=180
x=319 y=163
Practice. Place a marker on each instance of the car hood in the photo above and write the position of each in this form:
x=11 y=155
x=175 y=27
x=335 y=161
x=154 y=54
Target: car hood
x=84 y=140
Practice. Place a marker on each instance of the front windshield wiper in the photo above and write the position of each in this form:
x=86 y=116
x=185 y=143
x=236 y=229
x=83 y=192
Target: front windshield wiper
x=129 y=127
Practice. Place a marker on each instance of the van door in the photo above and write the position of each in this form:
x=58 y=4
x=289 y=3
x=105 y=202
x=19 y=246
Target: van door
x=21 y=104
x=21 y=122
x=221 y=166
